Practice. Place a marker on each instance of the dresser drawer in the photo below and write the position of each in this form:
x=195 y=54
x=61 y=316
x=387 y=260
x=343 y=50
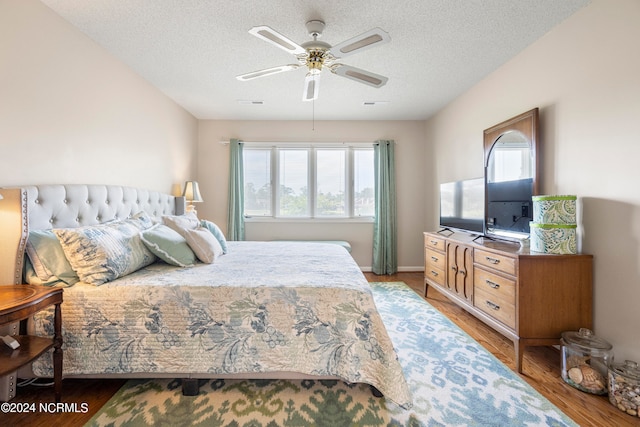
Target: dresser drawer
x=497 y=262
x=433 y=242
x=434 y=259
x=495 y=306
x=492 y=284
x=434 y=274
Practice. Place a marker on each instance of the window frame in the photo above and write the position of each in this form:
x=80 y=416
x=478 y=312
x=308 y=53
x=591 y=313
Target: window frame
x=312 y=148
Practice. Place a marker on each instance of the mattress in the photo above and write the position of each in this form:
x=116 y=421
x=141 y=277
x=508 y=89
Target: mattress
x=264 y=307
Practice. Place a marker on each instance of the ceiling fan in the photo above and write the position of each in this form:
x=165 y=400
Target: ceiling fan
x=316 y=55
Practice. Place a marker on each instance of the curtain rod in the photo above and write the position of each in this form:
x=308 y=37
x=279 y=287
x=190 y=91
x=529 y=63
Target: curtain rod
x=223 y=142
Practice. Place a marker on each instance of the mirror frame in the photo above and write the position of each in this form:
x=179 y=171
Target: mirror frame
x=527 y=124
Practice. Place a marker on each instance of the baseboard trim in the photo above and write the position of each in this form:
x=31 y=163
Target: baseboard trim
x=405 y=269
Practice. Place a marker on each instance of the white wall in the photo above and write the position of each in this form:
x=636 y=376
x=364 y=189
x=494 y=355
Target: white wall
x=72 y=113
x=213 y=169
x=585 y=77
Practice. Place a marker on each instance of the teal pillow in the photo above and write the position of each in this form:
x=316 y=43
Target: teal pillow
x=48 y=259
x=215 y=230
x=168 y=245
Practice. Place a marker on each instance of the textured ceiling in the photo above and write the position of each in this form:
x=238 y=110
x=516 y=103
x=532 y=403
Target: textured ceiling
x=193 y=49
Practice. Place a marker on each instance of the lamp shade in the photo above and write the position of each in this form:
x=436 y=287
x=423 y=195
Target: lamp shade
x=191 y=192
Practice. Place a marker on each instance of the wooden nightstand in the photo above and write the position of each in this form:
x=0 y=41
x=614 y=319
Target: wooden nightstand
x=18 y=302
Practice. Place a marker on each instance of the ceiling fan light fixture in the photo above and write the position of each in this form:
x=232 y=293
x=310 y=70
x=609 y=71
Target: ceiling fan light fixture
x=316 y=55
x=315 y=60
x=311 y=87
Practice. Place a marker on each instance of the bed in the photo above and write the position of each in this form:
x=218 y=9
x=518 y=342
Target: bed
x=258 y=310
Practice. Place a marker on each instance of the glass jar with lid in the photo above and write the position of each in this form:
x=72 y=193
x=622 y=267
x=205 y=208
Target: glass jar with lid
x=624 y=387
x=585 y=361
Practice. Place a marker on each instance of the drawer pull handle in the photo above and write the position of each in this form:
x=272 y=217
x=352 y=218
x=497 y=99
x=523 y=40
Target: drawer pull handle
x=494 y=285
x=493 y=260
x=434 y=273
x=434 y=259
x=493 y=305
x=463 y=272
x=454 y=268
x=434 y=242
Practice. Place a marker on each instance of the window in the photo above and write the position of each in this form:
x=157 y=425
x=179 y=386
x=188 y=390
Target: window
x=331 y=197
x=363 y=183
x=257 y=182
x=293 y=185
x=302 y=181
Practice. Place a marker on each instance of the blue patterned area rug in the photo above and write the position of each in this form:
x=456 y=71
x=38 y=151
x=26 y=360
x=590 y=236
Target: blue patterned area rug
x=454 y=382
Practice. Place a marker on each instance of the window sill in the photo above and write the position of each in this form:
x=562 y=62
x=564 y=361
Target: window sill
x=362 y=220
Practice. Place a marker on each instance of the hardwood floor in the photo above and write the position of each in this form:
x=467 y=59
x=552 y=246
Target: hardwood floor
x=83 y=399
x=541 y=371
x=541 y=365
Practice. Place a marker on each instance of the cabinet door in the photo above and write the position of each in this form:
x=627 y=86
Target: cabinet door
x=460 y=270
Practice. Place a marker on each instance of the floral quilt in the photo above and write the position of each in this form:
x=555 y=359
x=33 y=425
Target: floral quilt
x=263 y=307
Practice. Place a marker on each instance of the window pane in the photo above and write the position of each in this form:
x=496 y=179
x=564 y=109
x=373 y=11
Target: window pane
x=330 y=183
x=257 y=182
x=294 y=190
x=363 y=183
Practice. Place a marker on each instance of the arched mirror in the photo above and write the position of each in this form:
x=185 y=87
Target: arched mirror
x=511 y=176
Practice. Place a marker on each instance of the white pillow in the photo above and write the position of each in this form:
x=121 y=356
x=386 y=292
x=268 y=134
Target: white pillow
x=203 y=244
x=178 y=223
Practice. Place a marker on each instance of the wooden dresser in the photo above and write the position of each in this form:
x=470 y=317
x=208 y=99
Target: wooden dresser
x=529 y=297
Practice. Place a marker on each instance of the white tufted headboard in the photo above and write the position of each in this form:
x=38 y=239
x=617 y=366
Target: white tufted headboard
x=49 y=206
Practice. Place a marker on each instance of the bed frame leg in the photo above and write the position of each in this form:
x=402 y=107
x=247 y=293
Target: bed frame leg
x=190 y=387
x=375 y=391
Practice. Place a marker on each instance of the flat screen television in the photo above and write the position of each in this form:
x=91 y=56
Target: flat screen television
x=462 y=205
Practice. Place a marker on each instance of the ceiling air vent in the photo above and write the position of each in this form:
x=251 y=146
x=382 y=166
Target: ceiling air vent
x=249 y=102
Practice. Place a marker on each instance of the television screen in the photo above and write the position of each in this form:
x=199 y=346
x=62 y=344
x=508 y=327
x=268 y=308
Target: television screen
x=462 y=205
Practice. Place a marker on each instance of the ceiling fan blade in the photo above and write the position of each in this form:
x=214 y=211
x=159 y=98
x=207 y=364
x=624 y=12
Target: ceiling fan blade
x=359 y=75
x=275 y=38
x=364 y=41
x=311 y=87
x=267 y=72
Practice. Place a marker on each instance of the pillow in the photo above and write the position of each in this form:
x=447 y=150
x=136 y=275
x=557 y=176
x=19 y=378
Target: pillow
x=188 y=221
x=102 y=253
x=168 y=245
x=48 y=259
x=29 y=276
x=215 y=230
x=141 y=219
x=203 y=243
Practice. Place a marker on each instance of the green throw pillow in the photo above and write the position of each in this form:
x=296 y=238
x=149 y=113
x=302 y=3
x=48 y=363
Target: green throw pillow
x=168 y=245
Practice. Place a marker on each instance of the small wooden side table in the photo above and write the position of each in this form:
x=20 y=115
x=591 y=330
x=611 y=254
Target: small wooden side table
x=18 y=302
